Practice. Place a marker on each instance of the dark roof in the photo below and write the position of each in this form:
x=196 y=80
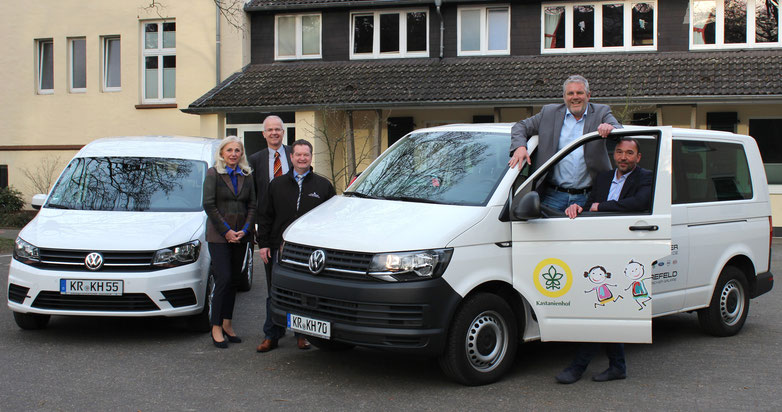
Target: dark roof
x=260 y=5
x=682 y=77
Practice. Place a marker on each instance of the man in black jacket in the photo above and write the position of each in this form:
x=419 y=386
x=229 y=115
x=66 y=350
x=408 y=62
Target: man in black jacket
x=628 y=188
x=289 y=196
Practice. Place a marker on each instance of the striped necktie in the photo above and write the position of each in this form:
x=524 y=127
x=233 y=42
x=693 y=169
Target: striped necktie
x=299 y=178
x=277 y=164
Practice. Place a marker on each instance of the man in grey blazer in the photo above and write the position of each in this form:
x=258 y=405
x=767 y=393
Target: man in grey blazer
x=267 y=164
x=557 y=125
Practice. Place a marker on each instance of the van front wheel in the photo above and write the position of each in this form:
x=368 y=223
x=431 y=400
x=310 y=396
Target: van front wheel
x=729 y=306
x=482 y=341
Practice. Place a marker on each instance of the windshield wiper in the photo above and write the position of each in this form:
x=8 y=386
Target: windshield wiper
x=415 y=199
x=361 y=195
x=56 y=206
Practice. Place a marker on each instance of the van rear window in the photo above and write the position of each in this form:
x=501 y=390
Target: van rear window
x=709 y=172
x=133 y=184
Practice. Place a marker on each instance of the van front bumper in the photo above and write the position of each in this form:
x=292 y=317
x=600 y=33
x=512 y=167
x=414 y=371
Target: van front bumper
x=176 y=291
x=408 y=317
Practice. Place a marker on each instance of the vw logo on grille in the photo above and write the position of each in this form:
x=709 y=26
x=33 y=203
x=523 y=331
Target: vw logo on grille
x=94 y=261
x=317 y=261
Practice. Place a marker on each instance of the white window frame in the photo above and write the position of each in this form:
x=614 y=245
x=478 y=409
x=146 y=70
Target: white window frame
x=376 y=54
x=719 y=30
x=299 y=38
x=160 y=52
x=39 y=45
x=105 y=63
x=598 y=42
x=484 y=31
x=71 y=61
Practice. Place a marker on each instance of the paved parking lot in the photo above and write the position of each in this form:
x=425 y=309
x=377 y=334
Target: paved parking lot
x=155 y=364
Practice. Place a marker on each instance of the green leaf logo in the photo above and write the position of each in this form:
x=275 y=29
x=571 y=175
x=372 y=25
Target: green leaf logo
x=552 y=278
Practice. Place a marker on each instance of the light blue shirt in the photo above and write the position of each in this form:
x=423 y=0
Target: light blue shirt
x=616 y=185
x=283 y=162
x=571 y=172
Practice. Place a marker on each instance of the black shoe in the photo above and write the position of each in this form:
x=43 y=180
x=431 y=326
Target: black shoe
x=569 y=375
x=609 y=374
x=221 y=345
x=232 y=339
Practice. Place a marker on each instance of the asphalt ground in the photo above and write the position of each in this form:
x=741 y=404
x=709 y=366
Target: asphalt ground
x=132 y=364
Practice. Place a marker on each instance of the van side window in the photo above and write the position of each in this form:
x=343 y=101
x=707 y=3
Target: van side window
x=709 y=172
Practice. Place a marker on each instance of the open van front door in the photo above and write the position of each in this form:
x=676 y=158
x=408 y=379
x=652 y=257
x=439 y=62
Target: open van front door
x=589 y=278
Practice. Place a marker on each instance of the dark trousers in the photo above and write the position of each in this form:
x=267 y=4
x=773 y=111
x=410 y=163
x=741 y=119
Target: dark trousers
x=227 y=259
x=588 y=350
x=270 y=330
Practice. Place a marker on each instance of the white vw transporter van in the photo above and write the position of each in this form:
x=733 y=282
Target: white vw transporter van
x=439 y=248
x=120 y=234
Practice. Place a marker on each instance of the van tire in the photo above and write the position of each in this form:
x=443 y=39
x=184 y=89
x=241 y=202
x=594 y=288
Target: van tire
x=201 y=322
x=329 y=345
x=729 y=306
x=247 y=274
x=484 y=320
x=31 y=321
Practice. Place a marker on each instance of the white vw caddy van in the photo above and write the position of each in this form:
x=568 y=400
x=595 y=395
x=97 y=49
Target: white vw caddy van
x=120 y=234
x=439 y=248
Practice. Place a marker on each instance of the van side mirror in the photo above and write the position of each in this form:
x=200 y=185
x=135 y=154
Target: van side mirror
x=37 y=201
x=528 y=207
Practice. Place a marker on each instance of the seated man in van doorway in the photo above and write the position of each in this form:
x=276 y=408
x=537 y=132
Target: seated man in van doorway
x=628 y=188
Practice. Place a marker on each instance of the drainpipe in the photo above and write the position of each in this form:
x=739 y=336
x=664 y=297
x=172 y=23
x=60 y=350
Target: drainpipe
x=217 y=41
x=437 y=4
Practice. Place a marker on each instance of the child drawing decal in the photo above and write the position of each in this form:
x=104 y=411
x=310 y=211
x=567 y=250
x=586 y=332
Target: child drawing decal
x=635 y=272
x=598 y=275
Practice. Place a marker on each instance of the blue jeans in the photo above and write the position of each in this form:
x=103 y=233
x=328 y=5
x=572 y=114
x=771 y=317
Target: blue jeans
x=588 y=350
x=560 y=201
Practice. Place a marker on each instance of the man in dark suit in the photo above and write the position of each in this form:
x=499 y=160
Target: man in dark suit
x=274 y=161
x=557 y=125
x=628 y=188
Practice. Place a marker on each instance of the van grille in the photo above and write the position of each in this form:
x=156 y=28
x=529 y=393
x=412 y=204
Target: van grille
x=350 y=312
x=129 y=302
x=339 y=264
x=113 y=261
x=180 y=297
x=17 y=293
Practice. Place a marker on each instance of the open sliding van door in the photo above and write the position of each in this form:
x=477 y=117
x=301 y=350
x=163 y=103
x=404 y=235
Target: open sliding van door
x=589 y=278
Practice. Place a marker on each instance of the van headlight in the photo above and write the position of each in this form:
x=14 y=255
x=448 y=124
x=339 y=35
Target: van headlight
x=409 y=266
x=25 y=252
x=179 y=255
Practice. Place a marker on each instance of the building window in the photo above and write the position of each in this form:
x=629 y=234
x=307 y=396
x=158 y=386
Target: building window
x=3 y=176
x=768 y=134
x=159 y=62
x=111 y=64
x=297 y=37
x=45 y=66
x=77 y=64
x=389 y=34
x=598 y=26
x=734 y=24
x=483 y=30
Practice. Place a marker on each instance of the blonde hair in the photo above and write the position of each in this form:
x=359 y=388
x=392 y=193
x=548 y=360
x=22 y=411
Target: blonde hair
x=220 y=163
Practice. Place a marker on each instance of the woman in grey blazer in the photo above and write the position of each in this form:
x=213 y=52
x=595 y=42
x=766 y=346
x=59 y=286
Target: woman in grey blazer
x=230 y=203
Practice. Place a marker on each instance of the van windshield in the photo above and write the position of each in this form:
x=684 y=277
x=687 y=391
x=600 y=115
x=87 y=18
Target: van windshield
x=453 y=167
x=137 y=184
